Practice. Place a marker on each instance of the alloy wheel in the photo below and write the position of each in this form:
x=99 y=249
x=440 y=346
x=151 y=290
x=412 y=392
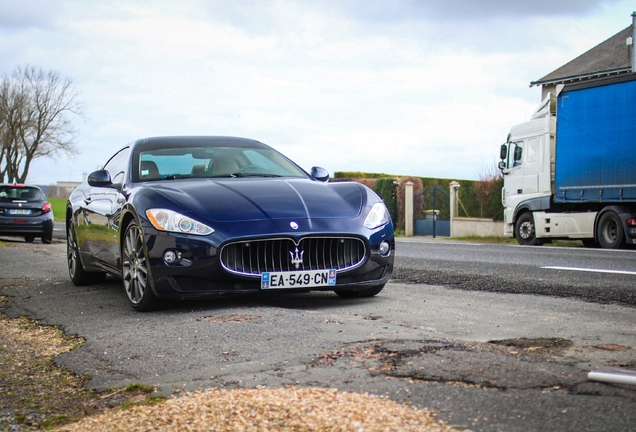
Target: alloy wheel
x=71 y=251
x=134 y=265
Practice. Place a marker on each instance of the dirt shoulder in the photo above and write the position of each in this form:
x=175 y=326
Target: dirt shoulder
x=35 y=393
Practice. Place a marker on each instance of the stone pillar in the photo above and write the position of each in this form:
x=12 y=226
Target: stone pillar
x=408 y=209
x=454 y=190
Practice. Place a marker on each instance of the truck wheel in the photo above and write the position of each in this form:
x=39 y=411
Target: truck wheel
x=525 y=232
x=610 y=231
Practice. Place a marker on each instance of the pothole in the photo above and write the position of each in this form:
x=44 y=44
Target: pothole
x=231 y=318
x=543 y=348
x=498 y=364
x=611 y=347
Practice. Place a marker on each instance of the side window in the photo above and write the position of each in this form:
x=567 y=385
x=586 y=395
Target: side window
x=515 y=154
x=117 y=165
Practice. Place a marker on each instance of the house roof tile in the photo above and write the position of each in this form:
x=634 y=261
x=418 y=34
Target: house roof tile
x=608 y=57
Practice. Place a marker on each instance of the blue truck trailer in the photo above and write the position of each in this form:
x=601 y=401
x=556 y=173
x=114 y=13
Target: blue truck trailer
x=570 y=172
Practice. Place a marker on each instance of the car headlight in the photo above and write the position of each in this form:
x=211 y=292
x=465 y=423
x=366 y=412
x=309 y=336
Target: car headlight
x=378 y=216
x=168 y=220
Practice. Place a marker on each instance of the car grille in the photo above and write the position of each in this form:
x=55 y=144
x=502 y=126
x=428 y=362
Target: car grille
x=256 y=257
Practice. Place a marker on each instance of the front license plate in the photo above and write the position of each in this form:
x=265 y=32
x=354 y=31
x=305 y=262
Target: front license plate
x=19 y=211
x=298 y=279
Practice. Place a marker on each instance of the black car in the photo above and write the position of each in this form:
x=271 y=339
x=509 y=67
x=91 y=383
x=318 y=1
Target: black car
x=199 y=216
x=24 y=211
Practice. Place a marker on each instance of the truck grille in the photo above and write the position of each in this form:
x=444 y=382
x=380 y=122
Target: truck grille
x=275 y=255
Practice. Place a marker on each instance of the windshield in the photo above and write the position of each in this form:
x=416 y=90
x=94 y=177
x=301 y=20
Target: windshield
x=214 y=162
x=21 y=193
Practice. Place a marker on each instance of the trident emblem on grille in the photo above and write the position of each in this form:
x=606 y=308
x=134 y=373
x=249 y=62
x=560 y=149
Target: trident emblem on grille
x=296 y=257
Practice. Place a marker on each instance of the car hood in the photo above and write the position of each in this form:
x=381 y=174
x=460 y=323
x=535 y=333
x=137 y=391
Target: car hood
x=263 y=199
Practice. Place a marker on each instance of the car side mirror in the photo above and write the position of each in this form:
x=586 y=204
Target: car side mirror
x=99 y=178
x=517 y=154
x=320 y=174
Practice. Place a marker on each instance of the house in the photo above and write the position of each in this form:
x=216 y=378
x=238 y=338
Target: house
x=615 y=56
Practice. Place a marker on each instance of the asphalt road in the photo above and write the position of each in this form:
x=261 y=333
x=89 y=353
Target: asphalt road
x=597 y=275
x=483 y=334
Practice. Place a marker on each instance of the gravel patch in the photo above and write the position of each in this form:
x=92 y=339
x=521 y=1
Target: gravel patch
x=282 y=409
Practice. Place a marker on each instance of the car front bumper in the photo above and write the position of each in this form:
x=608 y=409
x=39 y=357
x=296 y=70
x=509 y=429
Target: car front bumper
x=199 y=271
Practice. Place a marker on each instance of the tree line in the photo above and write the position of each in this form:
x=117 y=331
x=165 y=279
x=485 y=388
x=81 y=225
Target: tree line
x=36 y=107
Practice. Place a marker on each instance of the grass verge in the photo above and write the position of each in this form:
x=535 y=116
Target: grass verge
x=510 y=240
x=58 y=205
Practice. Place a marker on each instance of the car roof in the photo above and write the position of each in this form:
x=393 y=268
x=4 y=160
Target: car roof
x=212 y=141
x=19 y=185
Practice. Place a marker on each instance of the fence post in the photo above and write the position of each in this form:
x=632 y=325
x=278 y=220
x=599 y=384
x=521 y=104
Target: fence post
x=454 y=190
x=408 y=209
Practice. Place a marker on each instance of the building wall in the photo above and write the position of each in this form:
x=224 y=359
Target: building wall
x=463 y=227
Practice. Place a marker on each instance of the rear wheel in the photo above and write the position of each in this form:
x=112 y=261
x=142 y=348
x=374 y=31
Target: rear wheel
x=610 y=231
x=367 y=292
x=29 y=238
x=135 y=271
x=79 y=276
x=47 y=238
x=525 y=232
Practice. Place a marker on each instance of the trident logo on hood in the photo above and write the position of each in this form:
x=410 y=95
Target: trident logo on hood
x=296 y=257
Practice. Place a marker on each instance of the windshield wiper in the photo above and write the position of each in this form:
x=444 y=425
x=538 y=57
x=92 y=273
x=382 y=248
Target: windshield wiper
x=254 y=175
x=174 y=176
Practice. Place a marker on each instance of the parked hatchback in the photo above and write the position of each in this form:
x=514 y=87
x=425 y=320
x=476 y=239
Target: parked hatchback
x=24 y=211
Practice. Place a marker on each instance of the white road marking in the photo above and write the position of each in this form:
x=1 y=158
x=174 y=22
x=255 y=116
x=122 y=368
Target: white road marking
x=590 y=270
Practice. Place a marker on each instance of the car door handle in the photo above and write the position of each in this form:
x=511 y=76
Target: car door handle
x=87 y=200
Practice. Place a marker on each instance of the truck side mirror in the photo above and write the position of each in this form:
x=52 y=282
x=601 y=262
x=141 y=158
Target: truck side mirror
x=502 y=165
x=518 y=153
x=503 y=153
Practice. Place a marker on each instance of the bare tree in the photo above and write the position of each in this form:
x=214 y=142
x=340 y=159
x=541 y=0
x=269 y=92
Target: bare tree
x=34 y=119
x=484 y=189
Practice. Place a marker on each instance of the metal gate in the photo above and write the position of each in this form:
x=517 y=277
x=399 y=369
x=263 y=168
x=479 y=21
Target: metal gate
x=433 y=219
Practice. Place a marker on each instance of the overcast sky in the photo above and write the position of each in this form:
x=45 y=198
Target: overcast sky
x=410 y=87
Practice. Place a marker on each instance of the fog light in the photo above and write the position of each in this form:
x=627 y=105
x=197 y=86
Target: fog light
x=171 y=257
x=385 y=248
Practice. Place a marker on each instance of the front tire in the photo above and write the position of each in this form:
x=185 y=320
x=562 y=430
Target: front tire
x=135 y=271
x=525 y=232
x=79 y=276
x=363 y=293
x=610 y=231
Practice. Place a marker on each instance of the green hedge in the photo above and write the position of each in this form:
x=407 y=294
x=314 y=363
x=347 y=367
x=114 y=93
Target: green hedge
x=339 y=175
x=385 y=188
x=469 y=205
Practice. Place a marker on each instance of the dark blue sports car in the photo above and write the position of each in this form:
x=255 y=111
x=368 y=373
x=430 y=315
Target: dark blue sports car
x=179 y=217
